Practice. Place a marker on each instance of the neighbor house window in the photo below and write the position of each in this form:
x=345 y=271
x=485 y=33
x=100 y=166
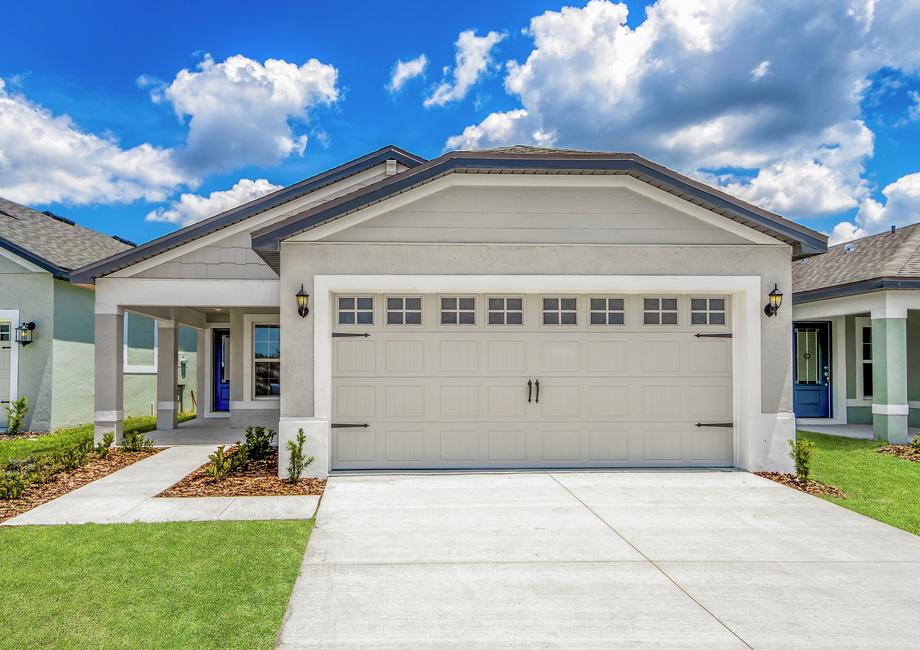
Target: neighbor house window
x=659 y=311
x=404 y=311
x=267 y=360
x=560 y=311
x=864 y=357
x=458 y=310
x=608 y=311
x=707 y=311
x=356 y=310
x=506 y=311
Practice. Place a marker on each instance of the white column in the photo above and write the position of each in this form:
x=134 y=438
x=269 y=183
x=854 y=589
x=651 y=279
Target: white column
x=202 y=367
x=167 y=364
x=109 y=371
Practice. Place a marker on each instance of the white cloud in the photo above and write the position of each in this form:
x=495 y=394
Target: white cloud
x=913 y=113
x=191 y=208
x=404 y=71
x=48 y=158
x=472 y=59
x=678 y=88
x=240 y=111
x=901 y=208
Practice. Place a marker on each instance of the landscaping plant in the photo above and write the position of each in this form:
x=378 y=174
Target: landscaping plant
x=240 y=457
x=220 y=464
x=16 y=414
x=102 y=448
x=801 y=455
x=915 y=444
x=297 y=462
x=259 y=442
x=135 y=441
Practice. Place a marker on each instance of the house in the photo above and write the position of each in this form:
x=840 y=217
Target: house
x=509 y=308
x=857 y=334
x=38 y=251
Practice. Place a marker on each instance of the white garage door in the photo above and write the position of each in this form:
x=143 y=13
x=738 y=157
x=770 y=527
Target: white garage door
x=499 y=381
x=6 y=342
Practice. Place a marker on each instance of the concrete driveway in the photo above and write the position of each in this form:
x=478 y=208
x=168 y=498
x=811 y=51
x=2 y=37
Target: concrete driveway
x=599 y=559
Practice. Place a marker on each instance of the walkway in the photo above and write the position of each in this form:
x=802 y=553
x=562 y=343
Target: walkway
x=599 y=559
x=128 y=495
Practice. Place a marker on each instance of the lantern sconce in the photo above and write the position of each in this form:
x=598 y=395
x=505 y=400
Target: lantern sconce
x=24 y=333
x=776 y=300
x=303 y=302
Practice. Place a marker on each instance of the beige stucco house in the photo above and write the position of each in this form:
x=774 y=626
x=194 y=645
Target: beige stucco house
x=510 y=308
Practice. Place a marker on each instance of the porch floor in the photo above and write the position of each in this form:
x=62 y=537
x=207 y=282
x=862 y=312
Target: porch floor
x=858 y=431
x=200 y=431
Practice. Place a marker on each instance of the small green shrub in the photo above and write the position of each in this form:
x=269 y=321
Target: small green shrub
x=73 y=456
x=135 y=441
x=297 y=462
x=40 y=469
x=915 y=445
x=220 y=464
x=259 y=442
x=103 y=446
x=801 y=456
x=16 y=414
x=12 y=484
x=240 y=457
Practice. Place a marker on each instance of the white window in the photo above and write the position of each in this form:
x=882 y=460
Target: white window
x=659 y=311
x=4 y=332
x=140 y=344
x=356 y=310
x=608 y=311
x=560 y=311
x=404 y=310
x=458 y=310
x=707 y=311
x=506 y=311
x=864 y=358
x=266 y=361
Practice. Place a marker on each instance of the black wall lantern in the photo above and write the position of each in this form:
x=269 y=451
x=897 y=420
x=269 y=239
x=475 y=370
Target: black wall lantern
x=303 y=302
x=24 y=333
x=776 y=299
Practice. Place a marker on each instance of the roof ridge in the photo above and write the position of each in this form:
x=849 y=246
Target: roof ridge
x=905 y=252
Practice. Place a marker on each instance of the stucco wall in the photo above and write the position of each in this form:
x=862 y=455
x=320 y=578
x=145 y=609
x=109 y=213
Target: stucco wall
x=301 y=261
x=73 y=357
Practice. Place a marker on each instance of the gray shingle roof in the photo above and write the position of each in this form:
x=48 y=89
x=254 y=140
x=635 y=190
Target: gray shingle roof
x=54 y=244
x=889 y=255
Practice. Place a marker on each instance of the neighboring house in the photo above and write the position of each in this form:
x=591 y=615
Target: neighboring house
x=509 y=308
x=38 y=251
x=857 y=334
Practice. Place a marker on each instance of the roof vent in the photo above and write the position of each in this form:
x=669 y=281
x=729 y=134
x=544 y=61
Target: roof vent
x=849 y=248
x=58 y=217
x=123 y=240
x=391 y=167
x=893 y=228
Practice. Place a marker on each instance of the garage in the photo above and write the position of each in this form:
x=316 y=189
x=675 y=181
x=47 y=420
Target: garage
x=491 y=381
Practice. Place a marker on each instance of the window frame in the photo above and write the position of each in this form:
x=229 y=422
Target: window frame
x=403 y=310
x=862 y=323
x=140 y=368
x=559 y=310
x=355 y=310
x=659 y=311
x=458 y=311
x=254 y=361
x=505 y=310
x=607 y=311
x=708 y=311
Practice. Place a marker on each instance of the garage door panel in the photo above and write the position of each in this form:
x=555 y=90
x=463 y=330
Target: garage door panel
x=558 y=357
x=459 y=357
x=507 y=356
x=659 y=356
x=607 y=357
x=608 y=401
x=661 y=401
x=354 y=446
x=710 y=356
x=507 y=400
x=508 y=445
x=608 y=444
x=354 y=356
x=405 y=401
x=560 y=445
x=459 y=446
x=558 y=400
x=355 y=400
x=711 y=445
x=405 y=446
x=710 y=401
x=662 y=444
x=458 y=400
x=404 y=356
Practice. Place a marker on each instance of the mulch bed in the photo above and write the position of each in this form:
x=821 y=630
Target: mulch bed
x=69 y=480
x=258 y=479
x=901 y=451
x=809 y=486
x=22 y=435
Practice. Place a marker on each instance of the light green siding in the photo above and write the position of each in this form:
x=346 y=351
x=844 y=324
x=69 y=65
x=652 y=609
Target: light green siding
x=140 y=393
x=72 y=386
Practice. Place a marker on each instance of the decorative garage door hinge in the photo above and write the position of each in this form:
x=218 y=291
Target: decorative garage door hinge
x=701 y=335
x=725 y=425
x=342 y=425
x=337 y=335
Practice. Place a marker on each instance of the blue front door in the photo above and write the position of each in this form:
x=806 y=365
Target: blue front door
x=811 y=374
x=221 y=370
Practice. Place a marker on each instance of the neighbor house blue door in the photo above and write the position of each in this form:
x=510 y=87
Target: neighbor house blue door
x=221 y=370
x=811 y=373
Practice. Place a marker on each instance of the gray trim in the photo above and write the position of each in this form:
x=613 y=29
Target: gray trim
x=54 y=269
x=88 y=274
x=266 y=241
x=855 y=288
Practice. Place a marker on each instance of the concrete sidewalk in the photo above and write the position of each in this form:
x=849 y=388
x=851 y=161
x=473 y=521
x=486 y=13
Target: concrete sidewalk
x=599 y=559
x=128 y=496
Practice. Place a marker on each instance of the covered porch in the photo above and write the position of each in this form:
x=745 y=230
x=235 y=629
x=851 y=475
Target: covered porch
x=200 y=431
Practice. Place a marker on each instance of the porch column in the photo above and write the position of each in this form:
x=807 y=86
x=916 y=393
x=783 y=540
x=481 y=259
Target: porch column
x=201 y=373
x=108 y=416
x=889 y=374
x=167 y=363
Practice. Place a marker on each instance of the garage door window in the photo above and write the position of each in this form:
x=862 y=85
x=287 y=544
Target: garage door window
x=506 y=311
x=608 y=311
x=458 y=310
x=707 y=311
x=404 y=310
x=659 y=311
x=267 y=361
x=560 y=311
x=356 y=310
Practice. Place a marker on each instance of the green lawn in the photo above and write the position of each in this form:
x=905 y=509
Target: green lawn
x=877 y=485
x=188 y=585
x=20 y=448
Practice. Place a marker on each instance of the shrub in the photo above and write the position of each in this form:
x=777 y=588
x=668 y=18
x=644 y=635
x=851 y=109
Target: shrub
x=135 y=441
x=259 y=442
x=220 y=463
x=73 y=456
x=16 y=414
x=240 y=457
x=801 y=455
x=297 y=462
x=12 y=484
x=915 y=444
x=102 y=448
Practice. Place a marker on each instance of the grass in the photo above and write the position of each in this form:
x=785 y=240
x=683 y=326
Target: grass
x=188 y=585
x=18 y=448
x=877 y=485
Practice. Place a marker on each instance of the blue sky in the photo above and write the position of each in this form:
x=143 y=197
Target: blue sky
x=814 y=114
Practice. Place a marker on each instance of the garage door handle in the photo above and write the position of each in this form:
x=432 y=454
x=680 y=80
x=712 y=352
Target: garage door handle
x=529 y=389
x=720 y=335
x=343 y=425
x=337 y=335
x=725 y=425
x=537 y=385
